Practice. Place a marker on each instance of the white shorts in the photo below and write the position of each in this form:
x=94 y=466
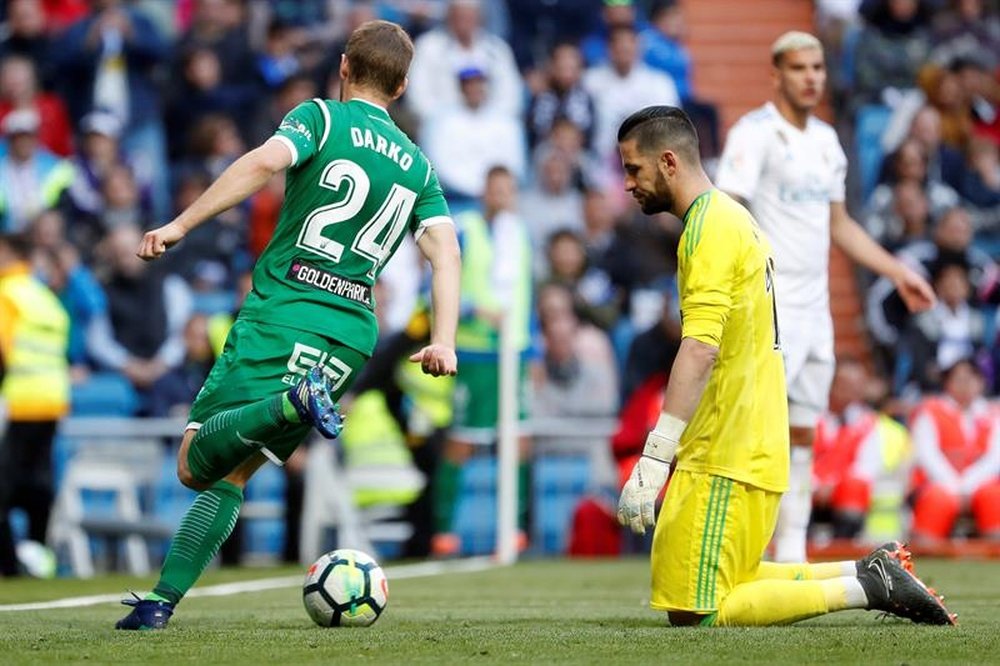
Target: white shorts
x=807 y=347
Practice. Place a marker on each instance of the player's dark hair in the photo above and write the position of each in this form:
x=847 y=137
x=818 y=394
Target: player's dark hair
x=379 y=53
x=18 y=244
x=498 y=170
x=656 y=128
x=619 y=29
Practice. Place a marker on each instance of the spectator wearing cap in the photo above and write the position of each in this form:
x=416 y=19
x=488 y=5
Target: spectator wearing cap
x=956 y=439
x=31 y=178
x=621 y=86
x=19 y=89
x=98 y=153
x=465 y=141
x=563 y=97
x=109 y=60
x=459 y=44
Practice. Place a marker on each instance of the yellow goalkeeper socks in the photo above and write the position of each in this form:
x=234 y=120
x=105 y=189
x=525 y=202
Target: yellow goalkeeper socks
x=763 y=603
x=805 y=571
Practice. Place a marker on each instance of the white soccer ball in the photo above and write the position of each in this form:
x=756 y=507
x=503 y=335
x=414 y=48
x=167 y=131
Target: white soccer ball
x=345 y=588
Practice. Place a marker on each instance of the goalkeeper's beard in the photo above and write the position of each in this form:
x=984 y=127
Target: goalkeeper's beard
x=660 y=200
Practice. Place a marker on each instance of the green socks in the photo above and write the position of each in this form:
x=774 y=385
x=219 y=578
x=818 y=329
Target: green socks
x=228 y=438
x=205 y=526
x=447 y=483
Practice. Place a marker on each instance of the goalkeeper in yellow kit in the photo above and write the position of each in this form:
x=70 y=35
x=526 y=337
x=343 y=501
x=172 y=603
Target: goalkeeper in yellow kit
x=725 y=421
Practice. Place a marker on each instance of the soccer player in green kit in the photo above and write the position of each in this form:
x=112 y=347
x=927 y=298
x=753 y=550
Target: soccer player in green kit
x=355 y=184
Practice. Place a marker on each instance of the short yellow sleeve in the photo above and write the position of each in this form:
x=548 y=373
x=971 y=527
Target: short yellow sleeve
x=707 y=263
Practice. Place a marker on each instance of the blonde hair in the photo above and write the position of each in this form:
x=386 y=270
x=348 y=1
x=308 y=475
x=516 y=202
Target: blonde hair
x=793 y=40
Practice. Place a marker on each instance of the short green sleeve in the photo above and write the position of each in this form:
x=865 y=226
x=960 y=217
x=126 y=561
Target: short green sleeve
x=304 y=130
x=431 y=208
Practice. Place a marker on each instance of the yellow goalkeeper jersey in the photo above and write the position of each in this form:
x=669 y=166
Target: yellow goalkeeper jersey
x=725 y=277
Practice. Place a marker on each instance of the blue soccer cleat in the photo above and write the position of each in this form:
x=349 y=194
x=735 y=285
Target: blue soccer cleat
x=146 y=614
x=314 y=404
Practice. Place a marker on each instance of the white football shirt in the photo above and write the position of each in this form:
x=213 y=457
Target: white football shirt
x=789 y=177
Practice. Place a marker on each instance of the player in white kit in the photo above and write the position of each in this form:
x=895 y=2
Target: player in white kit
x=788 y=168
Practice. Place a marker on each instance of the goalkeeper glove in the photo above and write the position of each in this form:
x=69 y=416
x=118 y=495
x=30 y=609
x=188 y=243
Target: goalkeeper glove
x=637 y=504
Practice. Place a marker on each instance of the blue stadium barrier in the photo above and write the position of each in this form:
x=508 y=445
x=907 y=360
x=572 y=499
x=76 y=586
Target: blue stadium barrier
x=104 y=394
x=560 y=482
x=870 y=124
x=214 y=302
x=475 y=515
x=265 y=536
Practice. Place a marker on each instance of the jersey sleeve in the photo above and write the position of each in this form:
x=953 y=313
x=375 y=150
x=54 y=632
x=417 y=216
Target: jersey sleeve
x=838 y=187
x=742 y=160
x=304 y=129
x=431 y=207
x=707 y=259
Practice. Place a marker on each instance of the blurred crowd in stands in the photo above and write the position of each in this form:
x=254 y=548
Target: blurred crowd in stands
x=117 y=114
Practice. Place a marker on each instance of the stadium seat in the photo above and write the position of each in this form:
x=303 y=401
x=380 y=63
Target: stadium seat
x=560 y=482
x=870 y=124
x=330 y=504
x=104 y=394
x=101 y=495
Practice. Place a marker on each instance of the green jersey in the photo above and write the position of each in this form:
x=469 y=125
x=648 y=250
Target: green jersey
x=355 y=186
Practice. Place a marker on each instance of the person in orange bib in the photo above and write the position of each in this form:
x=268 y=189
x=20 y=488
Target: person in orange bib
x=956 y=439
x=846 y=452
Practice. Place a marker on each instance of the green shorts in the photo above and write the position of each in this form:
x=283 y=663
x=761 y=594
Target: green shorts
x=476 y=396
x=260 y=360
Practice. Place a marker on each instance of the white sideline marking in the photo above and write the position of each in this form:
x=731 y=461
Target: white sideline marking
x=418 y=570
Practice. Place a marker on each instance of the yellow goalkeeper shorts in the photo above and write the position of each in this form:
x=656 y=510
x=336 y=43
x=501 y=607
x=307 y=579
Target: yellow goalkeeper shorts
x=710 y=536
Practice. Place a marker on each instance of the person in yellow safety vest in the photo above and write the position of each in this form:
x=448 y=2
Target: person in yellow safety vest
x=31 y=178
x=421 y=407
x=34 y=339
x=496 y=284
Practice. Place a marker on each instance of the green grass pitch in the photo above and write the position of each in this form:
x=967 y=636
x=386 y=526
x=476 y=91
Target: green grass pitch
x=539 y=612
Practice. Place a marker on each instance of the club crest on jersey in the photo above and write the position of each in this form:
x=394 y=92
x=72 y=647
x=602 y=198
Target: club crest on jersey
x=312 y=276
x=305 y=357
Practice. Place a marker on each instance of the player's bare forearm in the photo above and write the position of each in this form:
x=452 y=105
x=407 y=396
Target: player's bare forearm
x=848 y=235
x=440 y=245
x=688 y=378
x=242 y=178
x=858 y=245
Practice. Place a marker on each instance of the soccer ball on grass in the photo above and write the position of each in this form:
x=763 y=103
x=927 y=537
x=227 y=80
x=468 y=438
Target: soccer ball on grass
x=345 y=588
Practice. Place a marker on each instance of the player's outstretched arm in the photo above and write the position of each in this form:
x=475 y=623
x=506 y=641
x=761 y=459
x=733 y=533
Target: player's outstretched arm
x=859 y=246
x=688 y=378
x=242 y=178
x=439 y=245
